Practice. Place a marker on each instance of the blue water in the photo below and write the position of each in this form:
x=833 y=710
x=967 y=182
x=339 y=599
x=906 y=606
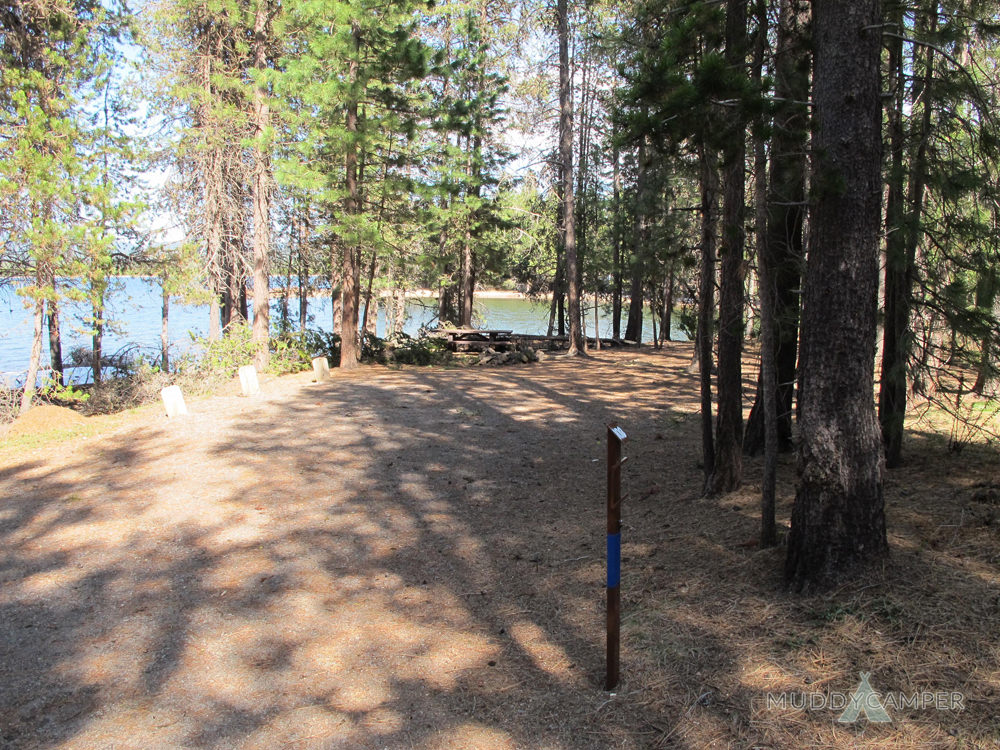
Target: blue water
x=134 y=308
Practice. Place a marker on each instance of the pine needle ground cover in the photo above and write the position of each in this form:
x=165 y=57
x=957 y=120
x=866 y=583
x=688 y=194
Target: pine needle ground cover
x=414 y=558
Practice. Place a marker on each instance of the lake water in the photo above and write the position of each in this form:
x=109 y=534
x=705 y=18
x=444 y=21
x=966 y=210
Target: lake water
x=134 y=307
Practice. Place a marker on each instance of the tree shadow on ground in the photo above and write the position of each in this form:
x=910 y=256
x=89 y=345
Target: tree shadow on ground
x=415 y=559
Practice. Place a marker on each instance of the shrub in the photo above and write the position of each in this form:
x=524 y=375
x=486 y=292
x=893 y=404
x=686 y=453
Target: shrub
x=322 y=343
x=373 y=349
x=290 y=352
x=141 y=384
x=10 y=403
x=212 y=363
x=223 y=357
x=406 y=350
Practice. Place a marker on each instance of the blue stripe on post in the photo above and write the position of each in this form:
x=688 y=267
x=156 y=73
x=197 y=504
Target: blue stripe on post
x=614 y=560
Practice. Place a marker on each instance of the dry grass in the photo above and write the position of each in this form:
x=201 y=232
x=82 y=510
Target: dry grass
x=711 y=631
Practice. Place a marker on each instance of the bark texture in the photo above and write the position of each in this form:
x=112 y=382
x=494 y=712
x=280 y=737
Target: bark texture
x=566 y=159
x=350 y=266
x=261 y=197
x=633 y=326
x=706 y=305
x=838 y=521
x=902 y=237
x=727 y=473
x=786 y=195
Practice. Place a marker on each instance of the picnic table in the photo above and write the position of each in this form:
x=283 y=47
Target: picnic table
x=475 y=339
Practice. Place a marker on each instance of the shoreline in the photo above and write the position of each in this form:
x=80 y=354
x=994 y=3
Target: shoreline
x=427 y=294
x=479 y=293
x=278 y=290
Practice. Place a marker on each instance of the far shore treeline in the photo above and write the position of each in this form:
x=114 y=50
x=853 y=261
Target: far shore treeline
x=817 y=178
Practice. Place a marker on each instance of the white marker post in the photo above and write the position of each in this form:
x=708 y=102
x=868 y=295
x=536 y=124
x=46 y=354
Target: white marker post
x=248 y=380
x=321 y=368
x=173 y=401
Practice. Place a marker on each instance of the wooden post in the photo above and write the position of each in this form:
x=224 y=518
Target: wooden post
x=616 y=437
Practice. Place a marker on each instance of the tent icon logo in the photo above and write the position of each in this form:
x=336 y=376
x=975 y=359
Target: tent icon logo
x=865 y=701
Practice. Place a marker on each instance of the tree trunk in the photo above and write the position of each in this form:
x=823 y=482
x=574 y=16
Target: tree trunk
x=368 y=294
x=987 y=287
x=751 y=320
x=336 y=305
x=616 y=230
x=349 y=351
x=55 y=337
x=783 y=242
x=633 y=328
x=229 y=293
x=212 y=196
x=902 y=238
x=303 y=274
x=561 y=297
x=261 y=198
x=652 y=313
x=706 y=306
x=768 y=389
x=446 y=304
x=576 y=345
x=165 y=331
x=447 y=307
x=727 y=474
x=838 y=520
x=286 y=292
x=468 y=282
x=231 y=299
x=585 y=110
x=244 y=302
x=97 y=340
x=214 y=319
x=767 y=383
x=55 y=344
x=666 y=321
x=35 y=360
x=400 y=310
x=554 y=302
x=893 y=370
x=597 y=321
x=468 y=290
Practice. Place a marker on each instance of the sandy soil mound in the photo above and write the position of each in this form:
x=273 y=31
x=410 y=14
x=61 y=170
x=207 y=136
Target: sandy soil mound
x=42 y=418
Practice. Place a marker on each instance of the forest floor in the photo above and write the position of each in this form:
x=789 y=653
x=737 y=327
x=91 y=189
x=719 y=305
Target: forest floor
x=414 y=558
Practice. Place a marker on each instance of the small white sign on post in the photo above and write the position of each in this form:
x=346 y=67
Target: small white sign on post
x=173 y=401
x=321 y=368
x=248 y=380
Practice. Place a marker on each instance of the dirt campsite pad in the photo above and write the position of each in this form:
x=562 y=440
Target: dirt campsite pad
x=415 y=559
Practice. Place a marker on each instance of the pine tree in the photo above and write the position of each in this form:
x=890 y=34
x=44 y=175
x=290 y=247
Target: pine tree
x=49 y=176
x=347 y=71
